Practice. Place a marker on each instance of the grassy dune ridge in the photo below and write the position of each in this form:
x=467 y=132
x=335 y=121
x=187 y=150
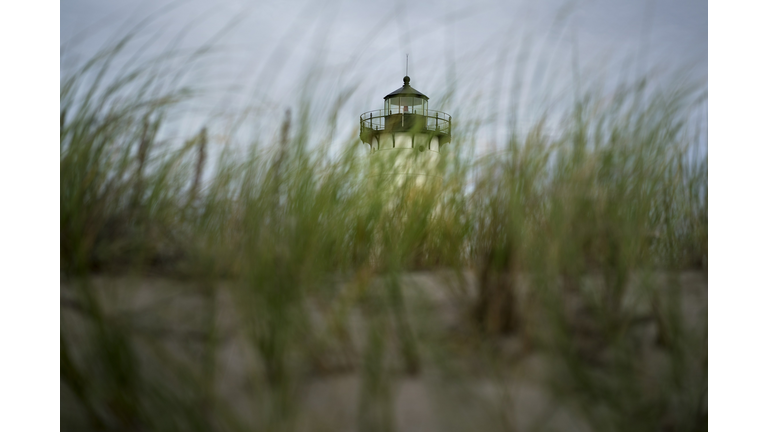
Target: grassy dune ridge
x=572 y=241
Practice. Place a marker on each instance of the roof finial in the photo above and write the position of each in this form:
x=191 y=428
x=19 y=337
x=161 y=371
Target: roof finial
x=406 y=79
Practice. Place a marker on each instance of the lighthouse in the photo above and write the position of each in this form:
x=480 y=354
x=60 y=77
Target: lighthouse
x=405 y=138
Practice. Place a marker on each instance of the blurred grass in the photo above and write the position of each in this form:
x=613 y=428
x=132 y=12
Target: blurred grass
x=281 y=247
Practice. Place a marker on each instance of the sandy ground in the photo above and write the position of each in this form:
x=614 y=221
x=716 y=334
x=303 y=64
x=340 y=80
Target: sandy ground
x=512 y=395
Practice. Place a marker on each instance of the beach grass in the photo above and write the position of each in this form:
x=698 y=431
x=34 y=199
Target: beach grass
x=576 y=235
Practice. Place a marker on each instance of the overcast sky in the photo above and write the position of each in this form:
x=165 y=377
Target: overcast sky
x=476 y=48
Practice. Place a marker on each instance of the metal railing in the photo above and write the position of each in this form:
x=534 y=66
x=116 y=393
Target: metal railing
x=435 y=120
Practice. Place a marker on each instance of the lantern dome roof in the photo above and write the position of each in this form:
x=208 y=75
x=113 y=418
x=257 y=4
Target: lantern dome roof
x=406 y=90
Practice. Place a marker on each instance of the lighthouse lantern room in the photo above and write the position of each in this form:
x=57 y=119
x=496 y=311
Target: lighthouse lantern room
x=406 y=122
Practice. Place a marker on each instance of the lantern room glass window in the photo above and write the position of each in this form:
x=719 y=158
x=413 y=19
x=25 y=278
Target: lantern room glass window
x=405 y=105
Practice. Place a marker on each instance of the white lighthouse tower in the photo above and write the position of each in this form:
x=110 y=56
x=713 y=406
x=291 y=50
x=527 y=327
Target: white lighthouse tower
x=405 y=137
